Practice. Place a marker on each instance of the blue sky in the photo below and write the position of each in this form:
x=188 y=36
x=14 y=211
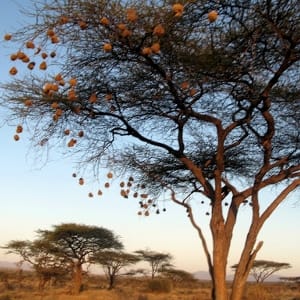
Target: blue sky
x=35 y=196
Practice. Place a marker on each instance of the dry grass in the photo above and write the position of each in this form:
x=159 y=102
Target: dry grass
x=132 y=289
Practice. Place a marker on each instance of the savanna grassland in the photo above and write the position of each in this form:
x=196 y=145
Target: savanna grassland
x=24 y=286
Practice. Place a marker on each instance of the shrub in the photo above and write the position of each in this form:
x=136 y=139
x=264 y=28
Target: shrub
x=163 y=285
x=5 y=297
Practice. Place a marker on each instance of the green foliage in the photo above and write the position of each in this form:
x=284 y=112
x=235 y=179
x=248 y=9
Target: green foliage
x=160 y=285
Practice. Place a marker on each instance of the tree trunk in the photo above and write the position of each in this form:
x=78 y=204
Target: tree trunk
x=238 y=289
x=220 y=250
x=42 y=282
x=111 y=281
x=77 y=279
x=245 y=264
x=219 y=290
x=239 y=281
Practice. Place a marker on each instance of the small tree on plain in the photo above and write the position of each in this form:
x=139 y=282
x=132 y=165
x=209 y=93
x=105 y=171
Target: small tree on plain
x=112 y=262
x=291 y=279
x=157 y=260
x=179 y=276
x=263 y=269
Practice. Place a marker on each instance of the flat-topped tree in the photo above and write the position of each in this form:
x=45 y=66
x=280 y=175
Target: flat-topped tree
x=263 y=269
x=295 y=279
x=77 y=243
x=113 y=262
x=188 y=97
x=65 y=248
x=157 y=260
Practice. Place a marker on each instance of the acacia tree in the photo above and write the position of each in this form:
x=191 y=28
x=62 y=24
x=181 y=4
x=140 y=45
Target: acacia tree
x=41 y=255
x=188 y=97
x=263 y=269
x=179 y=276
x=157 y=260
x=295 y=279
x=77 y=243
x=112 y=262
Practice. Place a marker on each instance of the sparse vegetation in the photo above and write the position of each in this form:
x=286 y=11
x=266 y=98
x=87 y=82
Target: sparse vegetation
x=136 y=288
x=64 y=250
x=160 y=285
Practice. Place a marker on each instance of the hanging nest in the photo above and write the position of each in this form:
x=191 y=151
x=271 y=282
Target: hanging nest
x=13 y=71
x=7 y=37
x=104 y=21
x=212 y=16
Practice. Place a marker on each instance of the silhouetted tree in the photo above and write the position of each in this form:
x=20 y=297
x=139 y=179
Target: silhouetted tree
x=295 y=279
x=157 y=260
x=197 y=98
x=112 y=262
x=263 y=269
x=179 y=276
x=77 y=243
x=43 y=258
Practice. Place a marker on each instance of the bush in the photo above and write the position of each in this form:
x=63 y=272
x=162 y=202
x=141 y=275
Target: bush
x=142 y=297
x=5 y=297
x=163 y=285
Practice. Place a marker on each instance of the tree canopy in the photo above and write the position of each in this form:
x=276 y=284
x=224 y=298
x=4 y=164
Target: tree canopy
x=43 y=258
x=67 y=247
x=157 y=260
x=263 y=269
x=77 y=243
x=194 y=97
x=112 y=262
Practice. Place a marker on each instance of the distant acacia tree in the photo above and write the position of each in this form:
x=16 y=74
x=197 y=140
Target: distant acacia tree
x=263 y=269
x=294 y=279
x=65 y=249
x=46 y=262
x=157 y=260
x=77 y=243
x=112 y=262
x=198 y=98
x=179 y=276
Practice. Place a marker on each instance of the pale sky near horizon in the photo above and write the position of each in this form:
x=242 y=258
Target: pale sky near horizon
x=33 y=196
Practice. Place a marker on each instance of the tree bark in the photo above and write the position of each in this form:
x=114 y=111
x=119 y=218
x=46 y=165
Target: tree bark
x=219 y=290
x=77 y=277
x=111 y=281
x=220 y=254
x=42 y=282
x=244 y=267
